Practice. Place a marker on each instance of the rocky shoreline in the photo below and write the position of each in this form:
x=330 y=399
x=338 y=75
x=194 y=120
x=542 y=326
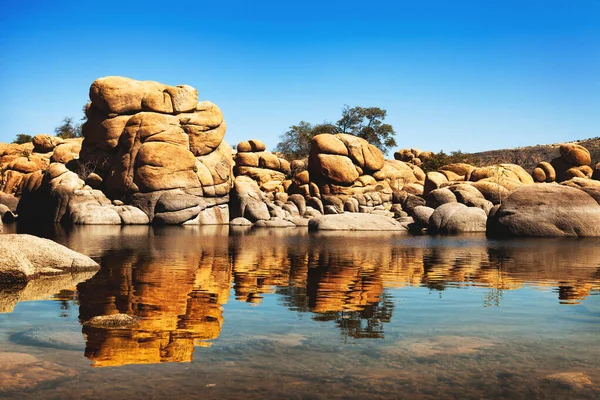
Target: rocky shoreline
x=155 y=154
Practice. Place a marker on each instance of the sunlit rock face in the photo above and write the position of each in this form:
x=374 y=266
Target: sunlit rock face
x=266 y=168
x=344 y=164
x=547 y=210
x=345 y=173
x=22 y=166
x=158 y=148
x=151 y=153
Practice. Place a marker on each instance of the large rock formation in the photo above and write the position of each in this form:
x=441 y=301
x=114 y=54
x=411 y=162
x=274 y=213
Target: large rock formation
x=547 y=210
x=346 y=173
x=151 y=153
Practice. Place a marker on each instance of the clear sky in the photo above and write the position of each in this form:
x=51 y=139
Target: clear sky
x=469 y=75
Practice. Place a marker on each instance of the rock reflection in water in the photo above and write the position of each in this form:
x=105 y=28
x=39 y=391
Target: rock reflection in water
x=177 y=279
x=176 y=287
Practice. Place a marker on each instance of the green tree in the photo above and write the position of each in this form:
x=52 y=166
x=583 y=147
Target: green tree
x=438 y=160
x=367 y=123
x=295 y=143
x=364 y=122
x=22 y=139
x=68 y=129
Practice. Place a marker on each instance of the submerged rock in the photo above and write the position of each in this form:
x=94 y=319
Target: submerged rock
x=576 y=380
x=112 y=321
x=66 y=337
x=20 y=371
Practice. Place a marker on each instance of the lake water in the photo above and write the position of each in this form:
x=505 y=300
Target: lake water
x=269 y=313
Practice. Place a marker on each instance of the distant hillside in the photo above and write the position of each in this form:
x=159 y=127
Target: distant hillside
x=528 y=157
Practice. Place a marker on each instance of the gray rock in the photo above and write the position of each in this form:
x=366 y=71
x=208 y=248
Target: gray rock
x=275 y=223
x=275 y=211
x=299 y=201
x=240 y=221
x=546 y=210
x=176 y=200
x=25 y=257
x=311 y=213
x=292 y=209
x=331 y=209
x=131 y=215
x=355 y=222
x=421 y=215
x=351 y=205
x=442 y=215
x=316 y=204
x=298 y=221
x=176 y=217
x=114 y=321
x=471 y=219
x=437 y=197
x=411 y=201
x=452 y=218
x=215 y=215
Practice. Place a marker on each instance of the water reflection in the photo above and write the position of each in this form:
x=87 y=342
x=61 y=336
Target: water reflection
x=176 y=280
x=175 y=287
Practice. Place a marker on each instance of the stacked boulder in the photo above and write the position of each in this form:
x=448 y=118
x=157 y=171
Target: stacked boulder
x=23 y=166
x=494 y=182
x=346 y=173
x=458 y=197
x=574 y=162
x=413 y=156
x=155 y=151
x=267 y=169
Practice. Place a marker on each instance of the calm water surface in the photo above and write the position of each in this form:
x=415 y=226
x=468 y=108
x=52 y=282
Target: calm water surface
x=268 y=313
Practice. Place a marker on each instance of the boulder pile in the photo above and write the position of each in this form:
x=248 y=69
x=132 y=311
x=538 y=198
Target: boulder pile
x=574 y=162
x=346 y=173
x=267 y=169
x=413 y=156
x=151 y=153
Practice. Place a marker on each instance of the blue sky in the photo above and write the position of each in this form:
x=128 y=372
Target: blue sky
x=469 y=75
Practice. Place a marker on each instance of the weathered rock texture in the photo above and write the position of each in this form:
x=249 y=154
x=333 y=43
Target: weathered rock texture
x=355 y=222
x=574 y=162
x=267 y=169
x=25 y=257
x=151 y=153
x=413 y=156
x=547 y=210
x=346 y=173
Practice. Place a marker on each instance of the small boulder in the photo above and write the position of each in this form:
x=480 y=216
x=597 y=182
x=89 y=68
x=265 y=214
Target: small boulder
x=354 y=222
